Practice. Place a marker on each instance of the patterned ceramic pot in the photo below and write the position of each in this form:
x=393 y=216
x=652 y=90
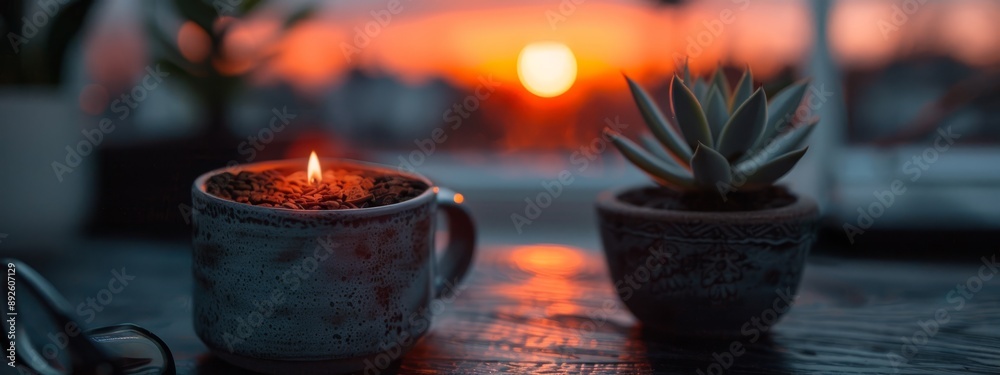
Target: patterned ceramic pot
x=292 y=291
x=706 y=274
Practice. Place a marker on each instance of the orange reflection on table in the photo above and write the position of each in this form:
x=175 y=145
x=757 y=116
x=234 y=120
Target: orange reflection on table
x=542 y=303
x=548 y=260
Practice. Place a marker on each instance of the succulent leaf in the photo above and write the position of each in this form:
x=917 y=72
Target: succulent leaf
x=782 y=109
x=781 y=144
x=745 y=127
x=700 y=90
x=743 y=90
x=771 y=171
x=689 y=116
x=662 y=172
x=752 y=138
x=709 y=167
x=654 y=147
x=716 y=112
x=719 y=81
x=794 y=138
x=657 y=123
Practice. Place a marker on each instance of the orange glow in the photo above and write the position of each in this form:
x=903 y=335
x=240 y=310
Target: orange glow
x=553 y=260
x=309 y=55
x=964 y=31
x=193 y=42
x=247 y=42
x=548 y=282
x=314 y=172
x=542 y=317
x=770 y=36
x=606 y=38
x=479 y=41
x=436 y=189
x=553 y=274
x=960 y=29
x=862 y=46
x=330 y=145
x=459 y=198
x=463 y=43
x=546 y=69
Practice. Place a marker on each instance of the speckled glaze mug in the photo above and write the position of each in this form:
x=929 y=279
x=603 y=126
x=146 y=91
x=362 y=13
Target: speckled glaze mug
x=292 y=291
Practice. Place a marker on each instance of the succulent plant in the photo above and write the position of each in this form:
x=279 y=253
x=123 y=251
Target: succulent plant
x=718 y=138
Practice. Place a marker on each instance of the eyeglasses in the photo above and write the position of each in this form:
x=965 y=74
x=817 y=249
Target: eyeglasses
x=41 y=337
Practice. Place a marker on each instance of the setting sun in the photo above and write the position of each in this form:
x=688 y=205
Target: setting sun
x=546 y=69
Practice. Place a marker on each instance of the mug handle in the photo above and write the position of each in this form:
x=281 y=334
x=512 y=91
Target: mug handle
x=454 y=263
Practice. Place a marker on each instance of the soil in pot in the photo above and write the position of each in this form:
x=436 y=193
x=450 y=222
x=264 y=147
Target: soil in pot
x=709 y=201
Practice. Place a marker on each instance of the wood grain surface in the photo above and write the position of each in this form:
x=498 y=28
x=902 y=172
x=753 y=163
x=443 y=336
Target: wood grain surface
x=549 y=309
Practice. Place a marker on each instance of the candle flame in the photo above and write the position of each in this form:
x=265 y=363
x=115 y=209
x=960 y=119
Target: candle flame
x=315 y=173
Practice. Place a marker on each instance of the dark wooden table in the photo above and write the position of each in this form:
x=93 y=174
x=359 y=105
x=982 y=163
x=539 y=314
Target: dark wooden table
x=552 y=309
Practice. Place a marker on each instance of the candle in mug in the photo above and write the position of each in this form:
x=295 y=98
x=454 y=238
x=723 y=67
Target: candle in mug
x=336 y=261
x=314 y=188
